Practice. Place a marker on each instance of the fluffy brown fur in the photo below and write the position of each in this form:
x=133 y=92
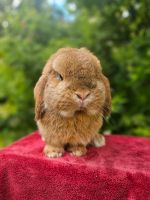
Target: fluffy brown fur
x=71 y=98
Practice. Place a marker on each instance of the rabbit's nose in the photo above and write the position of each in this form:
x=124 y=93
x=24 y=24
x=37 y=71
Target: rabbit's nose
x=82 y=95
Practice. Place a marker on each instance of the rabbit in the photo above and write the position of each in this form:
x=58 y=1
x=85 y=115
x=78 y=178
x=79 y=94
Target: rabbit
x=71 y=98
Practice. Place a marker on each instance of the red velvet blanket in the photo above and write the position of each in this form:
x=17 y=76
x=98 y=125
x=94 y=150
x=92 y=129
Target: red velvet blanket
x=118 y=171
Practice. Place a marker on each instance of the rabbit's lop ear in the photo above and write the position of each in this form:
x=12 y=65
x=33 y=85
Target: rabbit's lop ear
x=107 y=104
x=38 y=96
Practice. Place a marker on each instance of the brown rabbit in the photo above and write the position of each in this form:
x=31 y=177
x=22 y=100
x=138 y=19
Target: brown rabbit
x=71 y=98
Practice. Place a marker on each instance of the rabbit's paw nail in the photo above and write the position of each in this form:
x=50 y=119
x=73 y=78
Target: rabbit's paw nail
x=77 y=153
x=99 y=141
x=54 y=154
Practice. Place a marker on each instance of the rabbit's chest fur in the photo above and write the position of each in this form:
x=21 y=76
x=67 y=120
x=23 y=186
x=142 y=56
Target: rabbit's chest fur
x=78 y=129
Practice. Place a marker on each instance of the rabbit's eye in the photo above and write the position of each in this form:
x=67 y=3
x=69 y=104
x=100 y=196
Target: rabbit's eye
x=59 y=77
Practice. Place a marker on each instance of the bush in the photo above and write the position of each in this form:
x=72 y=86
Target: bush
x=118 y=33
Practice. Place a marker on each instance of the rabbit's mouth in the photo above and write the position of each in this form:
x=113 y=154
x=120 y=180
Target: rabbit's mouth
x=81 y=105
x=82 y=108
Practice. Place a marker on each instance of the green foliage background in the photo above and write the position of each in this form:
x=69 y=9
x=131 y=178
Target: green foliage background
x=118 y=32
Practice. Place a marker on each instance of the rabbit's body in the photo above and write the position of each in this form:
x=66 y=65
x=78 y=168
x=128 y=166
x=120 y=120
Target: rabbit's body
x=72 y=95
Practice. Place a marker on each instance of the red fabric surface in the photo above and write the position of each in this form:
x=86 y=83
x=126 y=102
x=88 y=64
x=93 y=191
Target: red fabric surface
x=118 y=171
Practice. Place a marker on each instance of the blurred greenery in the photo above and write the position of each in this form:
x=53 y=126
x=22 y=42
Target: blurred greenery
x=118 y=32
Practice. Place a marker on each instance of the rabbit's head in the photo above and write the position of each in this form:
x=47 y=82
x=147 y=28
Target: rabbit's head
x=72 y=82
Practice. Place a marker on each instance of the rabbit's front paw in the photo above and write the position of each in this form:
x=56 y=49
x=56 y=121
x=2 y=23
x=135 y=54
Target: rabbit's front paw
x=53 y=152
x=77 y=150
